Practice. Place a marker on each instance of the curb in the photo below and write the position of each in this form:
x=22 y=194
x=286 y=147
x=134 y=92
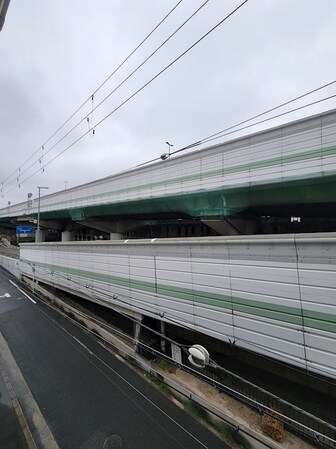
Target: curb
x=18 y=410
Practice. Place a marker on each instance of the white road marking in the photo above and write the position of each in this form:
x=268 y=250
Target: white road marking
x=82 y=344
x=23 y=292
x=6 y=295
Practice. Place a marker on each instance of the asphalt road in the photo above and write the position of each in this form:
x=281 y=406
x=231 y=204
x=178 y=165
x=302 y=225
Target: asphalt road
x=84 y=393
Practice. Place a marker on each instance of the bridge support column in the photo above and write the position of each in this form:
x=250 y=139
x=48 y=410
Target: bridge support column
x=115 y=236
x=39 y=236
x=163 y=332
x=66 y=236
x=137 y=331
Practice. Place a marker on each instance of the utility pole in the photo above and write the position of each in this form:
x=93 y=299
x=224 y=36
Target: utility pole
x=38 y=235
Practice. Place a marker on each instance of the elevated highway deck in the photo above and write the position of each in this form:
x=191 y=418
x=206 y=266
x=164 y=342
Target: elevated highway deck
x=286 y=170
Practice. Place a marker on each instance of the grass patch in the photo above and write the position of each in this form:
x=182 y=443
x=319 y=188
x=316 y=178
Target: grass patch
x=225 y=432
x=230 y=435
x=162 y=386
x=161 y=363
x=194 y=409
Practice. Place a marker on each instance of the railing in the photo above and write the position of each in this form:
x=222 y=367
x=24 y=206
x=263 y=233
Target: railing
x=295 y=419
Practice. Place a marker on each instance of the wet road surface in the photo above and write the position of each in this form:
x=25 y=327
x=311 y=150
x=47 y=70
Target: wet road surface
x=84 y=393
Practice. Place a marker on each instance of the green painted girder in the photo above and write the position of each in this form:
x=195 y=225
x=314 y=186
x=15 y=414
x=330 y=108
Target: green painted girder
x=215 y=203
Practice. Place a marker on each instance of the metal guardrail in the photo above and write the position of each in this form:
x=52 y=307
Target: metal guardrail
x=296 y=420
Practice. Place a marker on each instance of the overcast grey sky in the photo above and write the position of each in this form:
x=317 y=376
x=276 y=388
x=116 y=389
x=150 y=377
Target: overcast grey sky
x=55 y=53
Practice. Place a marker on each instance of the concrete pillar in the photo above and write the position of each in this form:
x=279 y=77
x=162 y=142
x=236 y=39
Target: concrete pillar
x=39 y=235
x=66 y=236
x=137 y=331
x=163 y=332
x=115 y=236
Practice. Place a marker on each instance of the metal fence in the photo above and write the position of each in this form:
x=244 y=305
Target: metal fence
x=296 y=420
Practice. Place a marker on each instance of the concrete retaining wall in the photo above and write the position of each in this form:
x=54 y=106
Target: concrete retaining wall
x=11 y=265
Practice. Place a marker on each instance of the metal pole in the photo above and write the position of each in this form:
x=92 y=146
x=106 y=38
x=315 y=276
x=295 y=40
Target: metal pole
x=169 y=145
x=38 y=214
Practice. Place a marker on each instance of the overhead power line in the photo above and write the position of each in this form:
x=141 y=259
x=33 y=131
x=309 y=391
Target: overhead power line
x=41 y=148
x=96 y=293
x=138 y=90
x=109 y=95
x=225 y=132
x=220 y=134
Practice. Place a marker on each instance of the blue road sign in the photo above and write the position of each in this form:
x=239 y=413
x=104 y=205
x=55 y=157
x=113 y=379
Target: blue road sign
x=24 y=229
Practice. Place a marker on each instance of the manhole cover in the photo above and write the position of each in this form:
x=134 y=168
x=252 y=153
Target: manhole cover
x=113 y=442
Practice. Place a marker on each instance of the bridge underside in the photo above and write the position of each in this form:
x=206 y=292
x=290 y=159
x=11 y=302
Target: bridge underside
x=295 y=206
x=279 y=198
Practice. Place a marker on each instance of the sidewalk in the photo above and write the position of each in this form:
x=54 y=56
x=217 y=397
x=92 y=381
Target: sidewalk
x=11 y=434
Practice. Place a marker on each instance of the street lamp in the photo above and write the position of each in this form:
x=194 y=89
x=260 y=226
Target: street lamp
x=165 y=156
x=38 y=214
x=169 y=145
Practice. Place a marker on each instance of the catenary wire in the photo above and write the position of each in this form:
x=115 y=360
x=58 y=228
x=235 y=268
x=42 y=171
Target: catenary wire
x=177 y=151
x=97 y=90
x=69 y=337
x=224 y=132
x=168 y=316
x=185 y=326
x=137 y=91
x=266 y=112
x=243 y=397
x=275 y=116
x=110 y=93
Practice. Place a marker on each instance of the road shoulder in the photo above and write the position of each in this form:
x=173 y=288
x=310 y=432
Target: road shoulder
x=31 y=420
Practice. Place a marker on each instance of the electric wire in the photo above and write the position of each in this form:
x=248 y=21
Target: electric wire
x=224 y=132
x=97 y=90
x=181 y=149
x=275 y=116
x=242 y=397
x=290 y=421
x=187 y=324
x=109 y=95
x=69 y=337
x=138 y=90
x=265 y=112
